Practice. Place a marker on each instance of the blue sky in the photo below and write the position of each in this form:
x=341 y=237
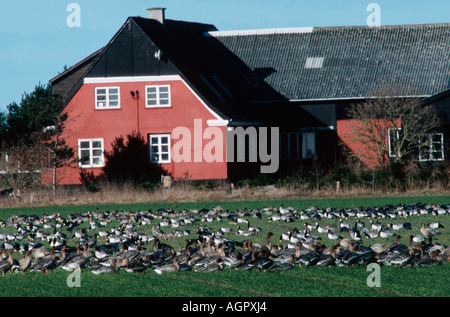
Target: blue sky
x=36 y=42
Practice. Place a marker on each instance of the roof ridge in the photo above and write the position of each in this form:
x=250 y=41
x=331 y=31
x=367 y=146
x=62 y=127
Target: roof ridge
x=288 y=30
x=291 y=30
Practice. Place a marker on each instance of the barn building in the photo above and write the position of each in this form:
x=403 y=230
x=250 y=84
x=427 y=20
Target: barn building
x=169 y=79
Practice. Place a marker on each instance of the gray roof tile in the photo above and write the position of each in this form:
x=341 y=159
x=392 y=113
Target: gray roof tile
x=357 y=61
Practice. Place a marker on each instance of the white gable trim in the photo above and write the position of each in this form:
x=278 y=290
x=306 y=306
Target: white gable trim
x=219 y=121
x=129 y=79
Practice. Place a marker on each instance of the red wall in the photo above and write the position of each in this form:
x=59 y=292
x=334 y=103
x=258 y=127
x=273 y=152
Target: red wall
x=365 y=151
x=85 y=122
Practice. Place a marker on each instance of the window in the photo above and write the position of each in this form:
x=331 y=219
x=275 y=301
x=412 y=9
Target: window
x=393 y=137
x=297 y=145
x=431 y=148
x=157 y=96
x=90 y=152
x=159 y=148
x=107 y=98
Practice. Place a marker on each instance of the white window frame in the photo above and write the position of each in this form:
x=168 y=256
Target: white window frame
x=431 y=148
x=158 y=98
x=391 y=154
x=108 y=95
x=91 y=153
x=159 y=152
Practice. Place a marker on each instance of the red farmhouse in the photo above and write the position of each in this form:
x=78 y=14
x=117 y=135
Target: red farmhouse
x=156 y=75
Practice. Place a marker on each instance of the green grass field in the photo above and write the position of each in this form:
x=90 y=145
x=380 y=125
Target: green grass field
x=298 y=282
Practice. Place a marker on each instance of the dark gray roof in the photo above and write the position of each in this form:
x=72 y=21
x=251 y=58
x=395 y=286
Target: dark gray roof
x=350 y=62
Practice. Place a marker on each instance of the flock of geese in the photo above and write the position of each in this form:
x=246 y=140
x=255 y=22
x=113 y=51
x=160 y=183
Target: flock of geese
x=41 y=243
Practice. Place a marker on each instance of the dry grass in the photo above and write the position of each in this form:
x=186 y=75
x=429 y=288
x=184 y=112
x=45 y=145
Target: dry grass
x=127 y=194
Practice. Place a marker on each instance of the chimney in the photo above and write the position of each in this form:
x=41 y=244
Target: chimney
x=156 y=14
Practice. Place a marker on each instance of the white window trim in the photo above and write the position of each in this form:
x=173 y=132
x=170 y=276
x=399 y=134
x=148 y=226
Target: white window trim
x=430 y=156
x=107 y=107
x=159 y=136
x=389 y=140
x=158 y=105
x=91 y=156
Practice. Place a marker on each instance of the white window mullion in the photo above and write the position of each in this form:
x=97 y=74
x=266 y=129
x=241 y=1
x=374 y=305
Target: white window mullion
x=107 y=98
x=159 y=148
x=157 y=96
x=90 y=152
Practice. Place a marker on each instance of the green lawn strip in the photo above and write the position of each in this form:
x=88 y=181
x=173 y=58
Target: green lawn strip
x=301 y=203
x=314 y=281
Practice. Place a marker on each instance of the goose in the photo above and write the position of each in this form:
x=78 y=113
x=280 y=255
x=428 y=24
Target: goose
x=283 y=265
x=333 y=235
x=311 y=227
x=45 y=263
x=369 y=234
x=344 y=226
x=106 y=269
x=355 y=235
x=428 y=232
x=396 y=226
x=268 y=243
x=348 y=257
x=77 y=261
x=156 y=231
x=385 y=234
x=275 y=217
x=402 y=258
x=103 y=233
x=252 y=228
x=25 y=262
x=184 y=266
x=418 y=238
x=7 y=264
x=198 y=254
x=376 y=226
x=309 y=259
x=225 y=229
x=215 y=266
x=246 y=233
x=244 y=264
x=284 y=255
x=321 y=229
x=425 y=261
x=397 y=246
x=134 y=266
x=260 y=260
x=233 y=259
x=168 y=267
x=210 y=257
x=38 y=253
x=286 y=236
x=328 y=259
